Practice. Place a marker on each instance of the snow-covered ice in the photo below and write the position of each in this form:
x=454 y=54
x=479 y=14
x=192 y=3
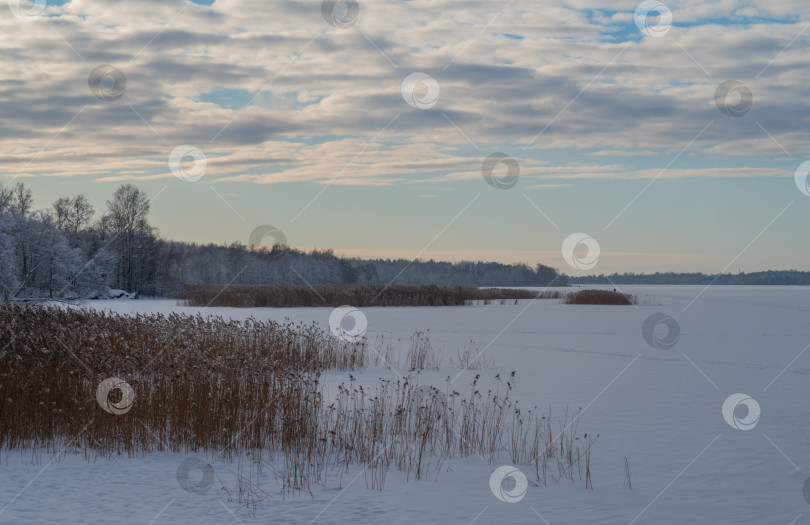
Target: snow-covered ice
x=659 y=408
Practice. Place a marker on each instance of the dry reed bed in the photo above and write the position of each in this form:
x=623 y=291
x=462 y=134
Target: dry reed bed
x=287 y=295
x=197 y=380
x=604 y=297
x=233 y=388
x=363 y=295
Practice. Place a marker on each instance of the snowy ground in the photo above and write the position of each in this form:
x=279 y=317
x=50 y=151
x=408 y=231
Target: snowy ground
x=659 y=408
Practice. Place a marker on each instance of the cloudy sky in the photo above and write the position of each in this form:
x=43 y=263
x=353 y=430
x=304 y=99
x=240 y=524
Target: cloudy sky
x=668 y=135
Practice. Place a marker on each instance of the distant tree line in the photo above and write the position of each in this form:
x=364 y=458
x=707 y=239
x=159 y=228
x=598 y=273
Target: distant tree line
x=66 y=251
x=182 y=263
x=770 y=277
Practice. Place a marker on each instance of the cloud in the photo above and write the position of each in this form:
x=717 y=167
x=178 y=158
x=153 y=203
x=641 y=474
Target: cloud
x=317 y=102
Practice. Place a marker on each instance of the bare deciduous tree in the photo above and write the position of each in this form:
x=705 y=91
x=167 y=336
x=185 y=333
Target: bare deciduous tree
x=131 y=236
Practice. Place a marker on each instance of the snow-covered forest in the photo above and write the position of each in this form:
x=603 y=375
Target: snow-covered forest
x=71 y=250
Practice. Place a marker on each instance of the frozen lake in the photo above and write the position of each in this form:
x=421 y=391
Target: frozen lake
x=661 y=408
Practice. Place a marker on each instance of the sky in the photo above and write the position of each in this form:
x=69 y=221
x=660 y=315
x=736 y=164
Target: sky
x=590 y=136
